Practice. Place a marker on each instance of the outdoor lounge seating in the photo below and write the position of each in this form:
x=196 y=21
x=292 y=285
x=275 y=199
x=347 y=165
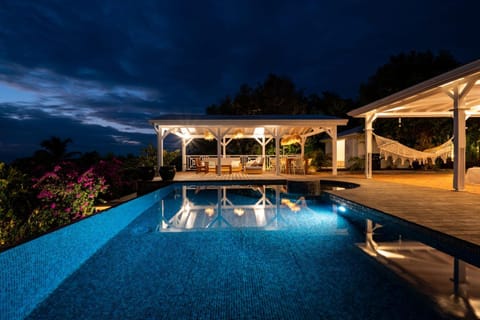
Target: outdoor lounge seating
x=201 y=166
x=228 y=165
x=254 y=166
x=236 y=164
x=473 y=175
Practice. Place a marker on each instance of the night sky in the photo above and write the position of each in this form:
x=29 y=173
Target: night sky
x=96 y=71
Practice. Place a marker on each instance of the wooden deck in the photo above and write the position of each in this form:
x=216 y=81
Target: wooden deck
x=235 y=176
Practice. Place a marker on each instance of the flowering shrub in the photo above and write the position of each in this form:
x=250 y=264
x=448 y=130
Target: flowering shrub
x=65 y=196
x=115 y=176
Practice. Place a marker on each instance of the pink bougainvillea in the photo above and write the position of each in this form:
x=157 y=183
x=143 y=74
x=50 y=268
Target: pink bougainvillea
x=65 y=195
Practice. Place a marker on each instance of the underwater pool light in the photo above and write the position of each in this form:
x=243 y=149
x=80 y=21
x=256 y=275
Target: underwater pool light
x=342 y=209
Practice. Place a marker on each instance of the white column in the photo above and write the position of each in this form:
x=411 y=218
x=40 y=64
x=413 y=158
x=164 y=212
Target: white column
x=263 y=152
x=277 y=151
x=185 y=143
x=224 y=145
x=302 y=147
x=219 y=152
x=184 y=155
x=333 y=134
x=459 y=134
x=459 y=143
x=263 y=141
x=368 y=144
x=159 y=147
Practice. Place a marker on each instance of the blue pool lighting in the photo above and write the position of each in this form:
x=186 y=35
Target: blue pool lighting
x=205 y=252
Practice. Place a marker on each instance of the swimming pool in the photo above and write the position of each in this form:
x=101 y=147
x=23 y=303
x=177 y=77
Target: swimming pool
x=229 y=252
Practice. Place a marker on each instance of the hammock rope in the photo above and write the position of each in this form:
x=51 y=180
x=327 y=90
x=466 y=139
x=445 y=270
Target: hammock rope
x=396 y=150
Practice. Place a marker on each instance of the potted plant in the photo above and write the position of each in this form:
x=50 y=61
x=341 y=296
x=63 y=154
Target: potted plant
x=167 y=172
x=147 y=163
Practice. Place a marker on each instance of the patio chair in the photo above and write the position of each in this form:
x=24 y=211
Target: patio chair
x=273 y=165
x=254 y=166
x=298 y=165
x=283 y=165
x=201 y=166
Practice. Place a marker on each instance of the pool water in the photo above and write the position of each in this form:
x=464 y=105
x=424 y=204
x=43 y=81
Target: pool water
x=234 y=253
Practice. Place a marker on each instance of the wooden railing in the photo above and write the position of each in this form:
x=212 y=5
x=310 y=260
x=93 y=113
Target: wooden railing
x=269 y=159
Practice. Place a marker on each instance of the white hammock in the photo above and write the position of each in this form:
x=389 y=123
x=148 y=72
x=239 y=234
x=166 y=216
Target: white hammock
x=396 y=150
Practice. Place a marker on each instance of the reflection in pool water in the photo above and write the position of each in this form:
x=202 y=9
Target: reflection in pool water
x=208 y=207
x=451 y=283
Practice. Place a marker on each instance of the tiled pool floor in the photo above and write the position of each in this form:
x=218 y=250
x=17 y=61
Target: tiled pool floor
x=312 y=270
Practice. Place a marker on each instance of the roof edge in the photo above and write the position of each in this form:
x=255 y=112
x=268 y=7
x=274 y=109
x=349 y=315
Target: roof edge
x=442 y=79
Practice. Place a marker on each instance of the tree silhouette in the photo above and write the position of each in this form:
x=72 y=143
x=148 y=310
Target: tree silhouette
x=57 y=148
x=276 y=95
x=403 y=71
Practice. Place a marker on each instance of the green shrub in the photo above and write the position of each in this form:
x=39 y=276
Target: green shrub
x=16 y=201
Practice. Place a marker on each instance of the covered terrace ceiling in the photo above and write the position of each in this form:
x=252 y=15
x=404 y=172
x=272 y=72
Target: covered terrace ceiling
x=285 y=129
x=200 y=126
x=431 y=98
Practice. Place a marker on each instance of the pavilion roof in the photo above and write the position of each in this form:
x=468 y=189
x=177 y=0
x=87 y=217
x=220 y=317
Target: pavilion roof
x=196 y=125
x=431 y=98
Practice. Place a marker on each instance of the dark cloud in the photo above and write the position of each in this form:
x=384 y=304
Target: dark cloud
x=21 y=135
x=106 y=67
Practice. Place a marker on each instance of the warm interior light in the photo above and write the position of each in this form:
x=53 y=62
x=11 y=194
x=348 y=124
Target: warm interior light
x=397 y=109
x=208 y=135
x=185 y=133
x=239 y=211
x=259 y=132
x=237 y=134
x=290 y=139
x=475 y=108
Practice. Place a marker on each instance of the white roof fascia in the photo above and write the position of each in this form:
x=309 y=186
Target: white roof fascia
x=423 y=89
